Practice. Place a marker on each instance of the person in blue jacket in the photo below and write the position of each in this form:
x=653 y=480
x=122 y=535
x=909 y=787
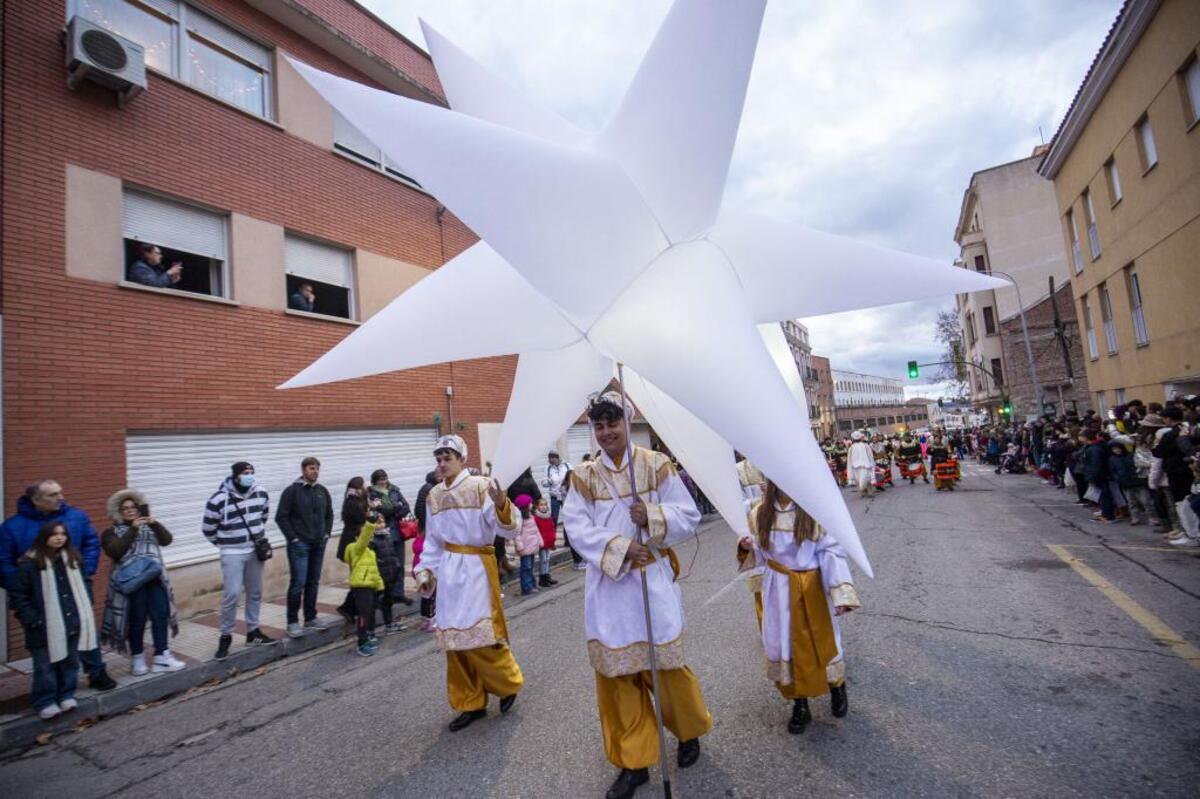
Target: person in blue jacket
x=43 y=502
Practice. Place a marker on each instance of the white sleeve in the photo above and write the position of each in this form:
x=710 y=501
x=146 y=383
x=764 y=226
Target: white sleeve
x=675 y=517
x=601 y=547
x=835 y=572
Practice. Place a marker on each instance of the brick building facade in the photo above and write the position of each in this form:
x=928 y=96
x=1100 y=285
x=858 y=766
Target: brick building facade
x=824 y=416
x=94 y=365
x=1064 y=381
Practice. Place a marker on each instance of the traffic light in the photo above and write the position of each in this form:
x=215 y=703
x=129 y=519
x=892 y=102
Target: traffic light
x=1006 y=409
x=912 y=370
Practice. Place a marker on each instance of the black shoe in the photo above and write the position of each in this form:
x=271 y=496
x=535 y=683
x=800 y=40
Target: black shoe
x=544 y=581
x=257 y=637
x=100 y=681
x=550 y=580
x=838 y=701
x=627 y=783
x=464 y=720
x=801 y=716
x=688 y=753
x=507 y=702
x=223 y=647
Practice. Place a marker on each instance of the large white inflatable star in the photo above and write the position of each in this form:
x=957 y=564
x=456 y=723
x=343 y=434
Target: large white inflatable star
x=613 y=247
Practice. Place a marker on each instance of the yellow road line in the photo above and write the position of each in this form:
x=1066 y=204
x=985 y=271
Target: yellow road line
x=1154 y=625
x=1114 y=546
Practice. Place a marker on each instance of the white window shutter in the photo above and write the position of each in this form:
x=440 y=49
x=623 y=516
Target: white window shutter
x=316 y=261
x=174 y=225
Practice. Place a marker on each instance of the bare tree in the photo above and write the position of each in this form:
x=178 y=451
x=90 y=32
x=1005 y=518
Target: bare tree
x=953 y=370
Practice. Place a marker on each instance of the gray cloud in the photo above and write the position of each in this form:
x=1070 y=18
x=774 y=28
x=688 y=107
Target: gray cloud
x=862 y=118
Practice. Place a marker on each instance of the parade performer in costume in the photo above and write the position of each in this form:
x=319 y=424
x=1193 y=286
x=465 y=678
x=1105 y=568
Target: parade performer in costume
x=806 y=585
x=839 y=461
x=464 y=515
x=945 y=472
x=606 y=524
x=860 y=464
x=911 y=464
x=751 y=479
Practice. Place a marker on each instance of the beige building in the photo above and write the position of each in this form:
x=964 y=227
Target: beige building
x=1125 y=166
x=1008 y=224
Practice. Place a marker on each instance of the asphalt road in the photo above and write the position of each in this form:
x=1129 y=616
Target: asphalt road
x=982 y=664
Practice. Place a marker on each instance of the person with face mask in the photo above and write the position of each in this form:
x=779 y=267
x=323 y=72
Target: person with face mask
x=235 y=517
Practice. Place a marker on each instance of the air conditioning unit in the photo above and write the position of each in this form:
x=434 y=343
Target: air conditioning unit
x=103 y=57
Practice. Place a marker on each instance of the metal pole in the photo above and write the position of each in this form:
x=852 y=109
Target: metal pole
x=654 y=687
x=1033 y=375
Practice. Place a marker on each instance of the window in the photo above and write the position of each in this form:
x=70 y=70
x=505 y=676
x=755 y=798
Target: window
x=1093 y=350
x=971 y=328
x=1076 y=253
x=350 y=140
x=998 y=372
x=1106 y=316
x=1189 y=86
x=1133 y=287
x=1146 y=148
x=980 y=266
x=188 y=44
x=1102 y=404
x=1093 y=234
x=1114 y=181
x=327 y=273
x=1120 y=396
x=191 y=237
x=989 y=320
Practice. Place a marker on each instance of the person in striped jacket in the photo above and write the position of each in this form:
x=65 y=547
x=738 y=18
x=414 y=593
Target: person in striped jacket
x=235 y=517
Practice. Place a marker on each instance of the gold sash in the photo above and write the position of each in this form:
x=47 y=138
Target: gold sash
x=813 y=643
x=671 y=557
x=488 y=555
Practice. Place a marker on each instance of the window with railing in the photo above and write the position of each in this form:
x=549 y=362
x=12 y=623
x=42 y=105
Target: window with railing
x=1089 y=329
x=1076 y=252
x=1093 y=233
x=998 y=372
x=191 y=45
x=1147 y=149
x=1133 y=286
x=1106 y=316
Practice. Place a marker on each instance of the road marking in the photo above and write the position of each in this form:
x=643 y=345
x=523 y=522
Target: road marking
x=1154 y=625
x=1117 y=546
x=740 y=578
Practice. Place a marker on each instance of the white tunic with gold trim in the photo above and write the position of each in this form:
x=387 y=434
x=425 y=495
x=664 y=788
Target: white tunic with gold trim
x=825 y=554
x=600 y=530
x=463 y=514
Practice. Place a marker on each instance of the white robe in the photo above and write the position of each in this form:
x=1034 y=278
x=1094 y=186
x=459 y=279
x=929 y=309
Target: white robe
x=600 y=530
x=825 y=554
x=860 y=464
x=463 y=514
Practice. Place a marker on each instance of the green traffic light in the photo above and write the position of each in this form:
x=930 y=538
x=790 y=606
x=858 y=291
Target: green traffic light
x=913 y=370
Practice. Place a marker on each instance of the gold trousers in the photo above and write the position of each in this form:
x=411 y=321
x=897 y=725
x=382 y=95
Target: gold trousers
x=472 y=674
x=627 y=714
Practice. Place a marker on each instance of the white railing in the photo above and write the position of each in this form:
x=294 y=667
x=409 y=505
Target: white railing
x=1094 y=240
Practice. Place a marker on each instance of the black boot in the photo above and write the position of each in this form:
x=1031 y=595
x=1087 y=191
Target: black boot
x=838 y=701
x=464 y=720
x=544 y=581
x=223 y=647
x=550 y=580
x=689 y=753
x=507 y=702
x=627 y=783
x=801 y=716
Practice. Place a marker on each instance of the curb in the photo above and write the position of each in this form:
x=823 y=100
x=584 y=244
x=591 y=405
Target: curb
x=23 y=731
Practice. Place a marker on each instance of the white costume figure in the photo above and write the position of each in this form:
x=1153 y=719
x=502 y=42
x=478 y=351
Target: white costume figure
x=806 y=579
x=598 y=517
x=459 y=561
x=860 y=464
x=751 y=479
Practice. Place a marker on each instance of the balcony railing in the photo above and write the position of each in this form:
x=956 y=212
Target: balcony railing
x=1077 y=254
x=1094 y=240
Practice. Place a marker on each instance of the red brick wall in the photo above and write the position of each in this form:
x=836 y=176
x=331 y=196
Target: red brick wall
x=1048 y=355
x=84 y=361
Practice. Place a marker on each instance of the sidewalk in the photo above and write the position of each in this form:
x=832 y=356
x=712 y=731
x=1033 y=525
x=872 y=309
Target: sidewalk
x=195 y=645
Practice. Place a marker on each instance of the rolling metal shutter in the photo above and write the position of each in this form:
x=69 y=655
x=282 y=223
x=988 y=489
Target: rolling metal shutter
x=316 y=261
x=179 y=472
x=149 y=218
x=579 y=443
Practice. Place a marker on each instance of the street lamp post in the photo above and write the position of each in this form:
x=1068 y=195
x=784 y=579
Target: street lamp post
x=1033 y=374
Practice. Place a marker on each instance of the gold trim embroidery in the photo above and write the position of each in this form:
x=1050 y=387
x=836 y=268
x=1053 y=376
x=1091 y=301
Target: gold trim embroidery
x=482 y=633
x=635 y=657
x=658 y=524
x=843 y=594
x=780 y=671
x=612 y=562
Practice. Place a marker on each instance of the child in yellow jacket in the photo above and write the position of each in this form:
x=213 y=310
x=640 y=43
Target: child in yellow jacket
x=365 y=582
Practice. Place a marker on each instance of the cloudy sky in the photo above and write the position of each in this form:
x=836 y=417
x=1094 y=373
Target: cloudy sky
x=864 y=117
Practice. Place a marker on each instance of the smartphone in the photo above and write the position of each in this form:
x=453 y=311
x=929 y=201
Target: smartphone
x=143 y=510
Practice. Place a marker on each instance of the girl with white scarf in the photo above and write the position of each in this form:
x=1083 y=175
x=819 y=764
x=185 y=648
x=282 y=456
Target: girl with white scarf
x=50 y=597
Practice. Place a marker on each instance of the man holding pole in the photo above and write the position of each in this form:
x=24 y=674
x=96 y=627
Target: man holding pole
x=623 y=512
